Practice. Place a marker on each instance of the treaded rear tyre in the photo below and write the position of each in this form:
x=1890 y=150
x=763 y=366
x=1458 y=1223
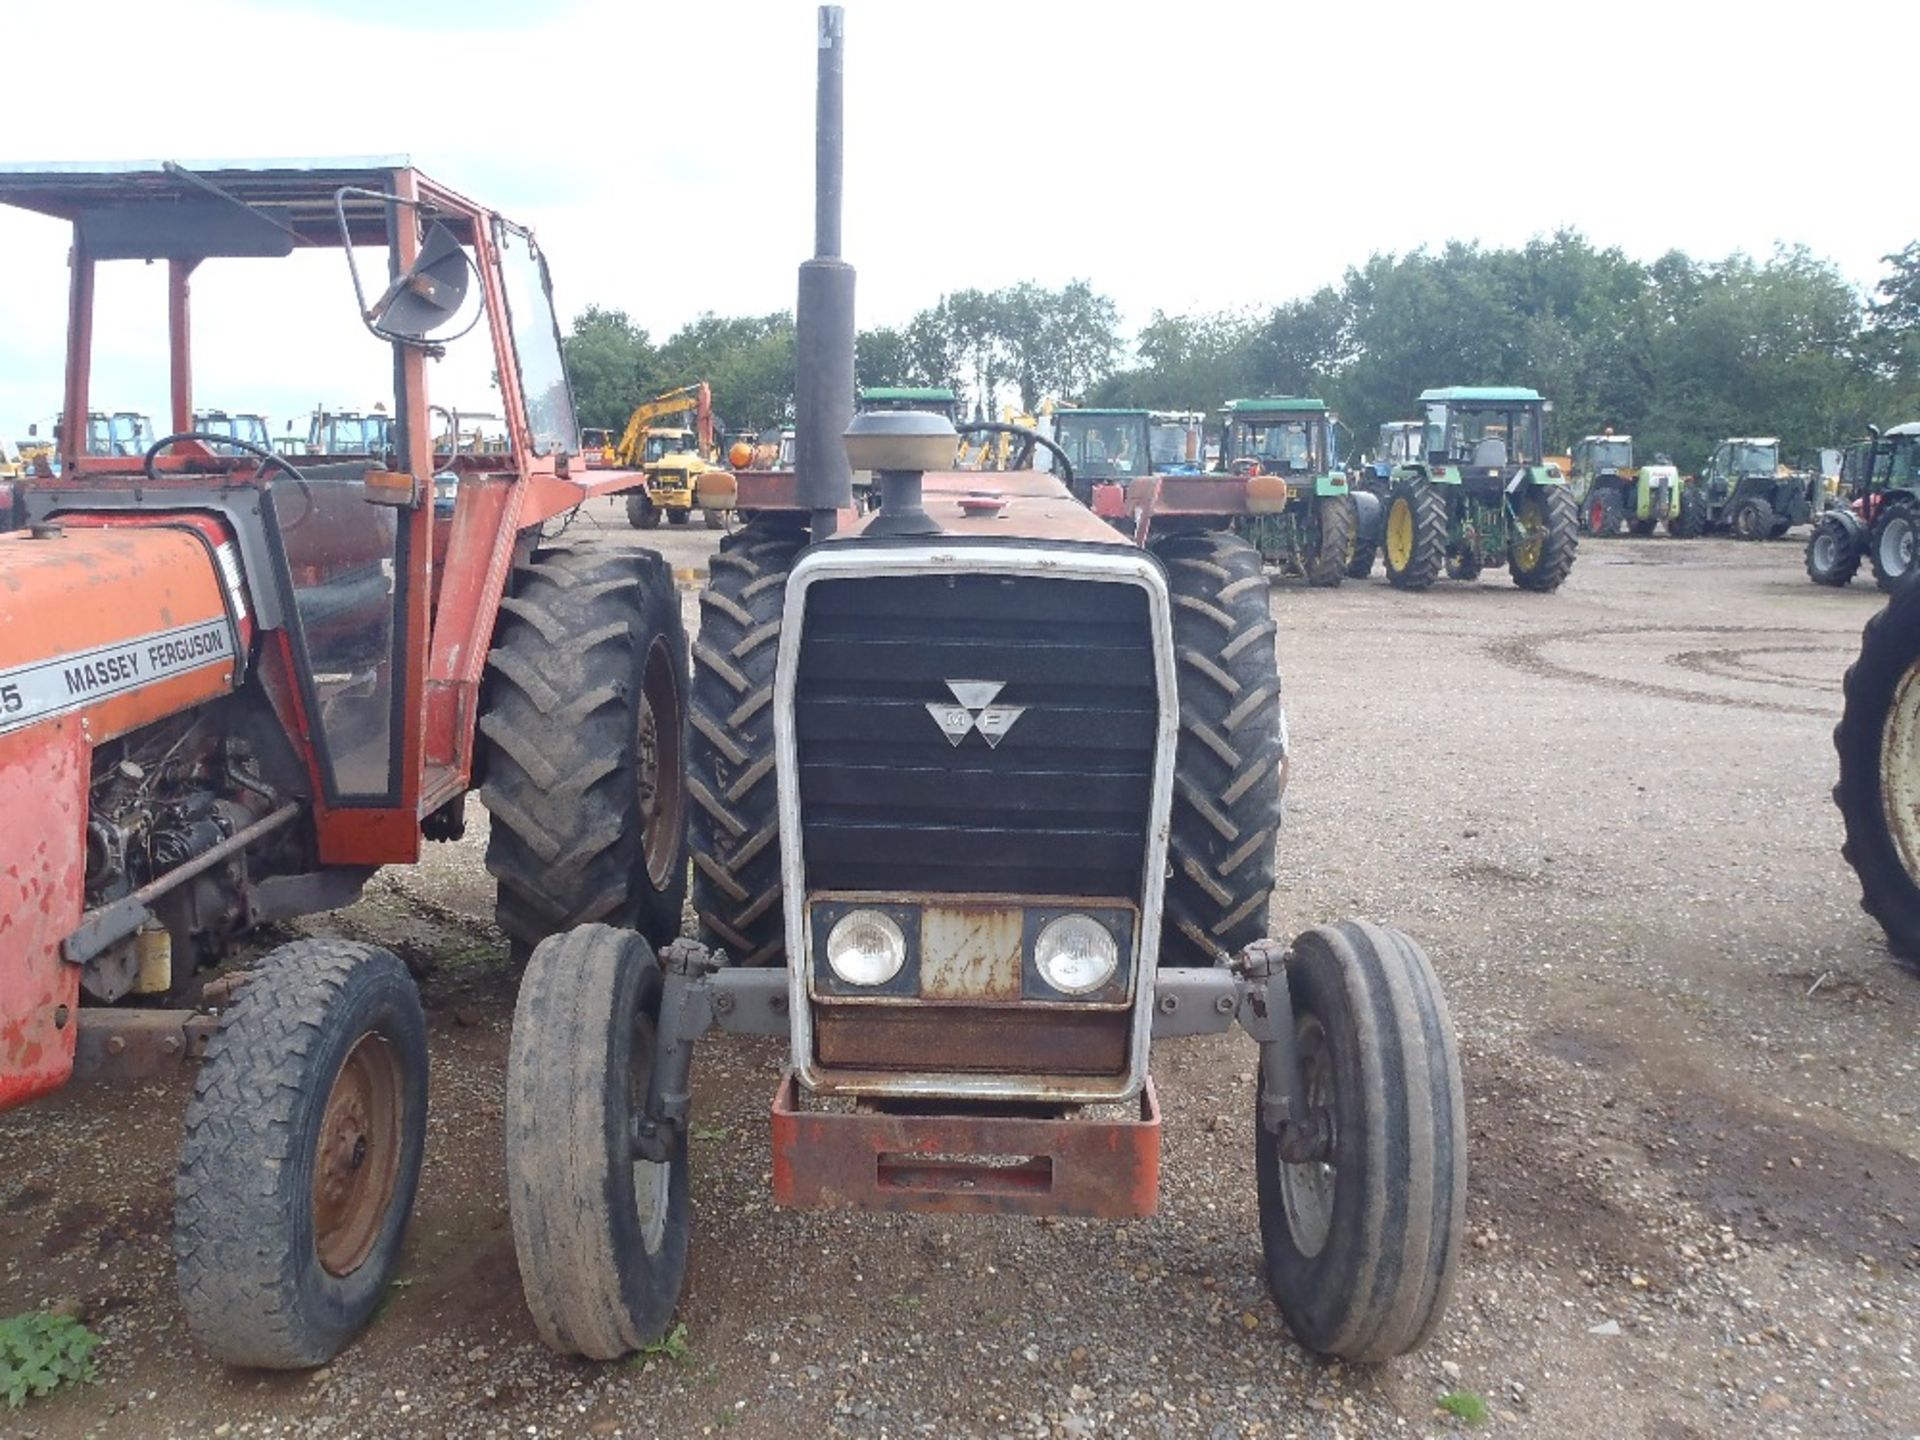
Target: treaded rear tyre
x=1878 y=725
x=1689 y=520
x=1369 y=517
x=1603 y=512
x=730 y=770
x=642 y=513
x=584 y=724
x=1559 y=541
x=1426 y=552
x=1229 y=764
x=1832 y=556
x=1891 y=545
x=1336 y=521
x=1752 y=519
x=1360 y=1250
x=268 y=1274
x=601 y=1237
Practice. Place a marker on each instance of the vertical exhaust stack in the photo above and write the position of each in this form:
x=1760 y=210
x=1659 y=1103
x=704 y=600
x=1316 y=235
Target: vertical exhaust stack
x=823 y=317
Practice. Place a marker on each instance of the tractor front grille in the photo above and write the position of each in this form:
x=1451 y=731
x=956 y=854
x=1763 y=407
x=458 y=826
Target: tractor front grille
x=891 y=667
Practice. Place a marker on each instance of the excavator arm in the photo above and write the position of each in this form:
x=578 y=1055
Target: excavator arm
x=697 y=399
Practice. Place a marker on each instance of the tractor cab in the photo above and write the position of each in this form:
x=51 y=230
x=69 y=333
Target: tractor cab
x=349 y=432
x=1286 y=436
x=250 y=428
x=1105 y=444
x=1735 y=460
x=1484 y=432
x=1174 y=442
x=1606 y=456
x=121 y=433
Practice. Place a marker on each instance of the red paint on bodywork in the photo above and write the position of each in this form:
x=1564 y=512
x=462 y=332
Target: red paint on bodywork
x=43 y=797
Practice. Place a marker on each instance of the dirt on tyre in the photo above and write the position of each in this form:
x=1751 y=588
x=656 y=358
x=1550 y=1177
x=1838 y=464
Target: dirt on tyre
x=1229 y=763
x=1336 y=522
x=301 y=1155
x=730 y=761
x=1415 y=538
x=1891 y=545
x=1546 y=539
x=1833 y=555
x=1878 y=740
x=1360 y=1244
x=600 y=1233
x=583 y=727
x=642 y=513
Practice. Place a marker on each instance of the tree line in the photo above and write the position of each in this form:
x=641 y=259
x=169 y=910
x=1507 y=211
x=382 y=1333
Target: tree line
x=1678 y=352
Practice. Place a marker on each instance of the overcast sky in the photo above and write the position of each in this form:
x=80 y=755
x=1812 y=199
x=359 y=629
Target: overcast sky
x=1192 y=156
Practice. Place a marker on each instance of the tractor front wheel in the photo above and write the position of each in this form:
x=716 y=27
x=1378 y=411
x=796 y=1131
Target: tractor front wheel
x=1689 y=519
x=583 y=727
x=642 y=513
x=1540 y=555
x=1416 y=534
x=679 y=517
x=302 y=1155
x=1229 y=769
x=600 y=1232
x=1891 y=545
x=1335 y=523
x=1833 y=555
x=1361 y=1240
x=1604 y=512
x=1878 y=739
x=1369 y=520
x=1752 y=520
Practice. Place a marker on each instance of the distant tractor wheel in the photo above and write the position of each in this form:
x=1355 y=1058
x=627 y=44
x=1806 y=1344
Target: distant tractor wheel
x=1833 y=555
x=714 y=519
x=642 y=513
x=1335 y=523
x=1370 y=519
x=1689 y=520
x=1463 y=565
x=736 y=813
x=600 y=1233
x=1540 y=555
x=1604 y=512
x=1752 y=519
x=1416 y=534
x=1637 y=526
x=1878 y=739
x=1892 y=544
x=1781 y=525
x=679 y=517
x=1361 y=1240
x=583 y=727
x=302 y=1155
x=1228 y=773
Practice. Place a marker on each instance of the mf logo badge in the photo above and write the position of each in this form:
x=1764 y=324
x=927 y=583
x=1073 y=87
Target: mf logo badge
x=972 y=708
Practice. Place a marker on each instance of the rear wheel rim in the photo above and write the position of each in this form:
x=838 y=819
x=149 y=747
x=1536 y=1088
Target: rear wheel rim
x=357 y=1156
x=1597 y=517
x=1307 y=1190
x=658 y=770
x=1400 y=534
x=1896 y=546
x=1823 y=550
x=1533 y=535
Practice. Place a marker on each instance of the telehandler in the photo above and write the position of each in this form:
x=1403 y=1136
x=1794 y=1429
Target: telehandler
x=985 y=798
x=674 y=457
x=233 y=685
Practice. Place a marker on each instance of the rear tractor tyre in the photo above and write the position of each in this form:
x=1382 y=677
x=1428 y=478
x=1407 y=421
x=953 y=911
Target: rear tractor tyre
x=1230 y=764
x=601 y=1234
x=730 y=765
x=1369 y=521
x=1833 y=556
x=1603 y=514
x=1878 y=739
x=1892 y=545
x=1361 y=1245
x=1540 y=555
x=302 y=1155
x=583 y=729
x=1689 y=521
x=1751 y=520
x=1416 y=534
x=1336 y=521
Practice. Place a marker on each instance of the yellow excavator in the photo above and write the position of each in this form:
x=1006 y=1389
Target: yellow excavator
x=673 y=456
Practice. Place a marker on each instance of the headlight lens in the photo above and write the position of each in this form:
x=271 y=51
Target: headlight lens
x=1075 y=954
x=866 y=947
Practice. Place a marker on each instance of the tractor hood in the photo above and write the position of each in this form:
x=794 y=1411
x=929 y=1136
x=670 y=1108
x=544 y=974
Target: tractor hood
x=1001 y=505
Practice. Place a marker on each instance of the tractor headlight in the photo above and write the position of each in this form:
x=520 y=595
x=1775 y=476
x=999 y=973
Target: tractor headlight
x=1075 y=954
x=866 y=947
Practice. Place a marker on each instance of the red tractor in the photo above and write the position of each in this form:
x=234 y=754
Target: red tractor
x=233 y=684
x=985 y=802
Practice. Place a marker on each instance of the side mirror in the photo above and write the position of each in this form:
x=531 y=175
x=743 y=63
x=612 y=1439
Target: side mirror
x=427 y=294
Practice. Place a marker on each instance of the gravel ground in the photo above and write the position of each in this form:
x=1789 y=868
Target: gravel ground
x=1690 y=1069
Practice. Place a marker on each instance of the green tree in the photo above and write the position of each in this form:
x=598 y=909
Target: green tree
x=611 y=363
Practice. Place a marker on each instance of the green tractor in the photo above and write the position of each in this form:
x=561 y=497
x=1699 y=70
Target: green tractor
x=1880 y=523
x=1745 y=493
x=1613 y=492
x=1303 y=516
x=1480 y=493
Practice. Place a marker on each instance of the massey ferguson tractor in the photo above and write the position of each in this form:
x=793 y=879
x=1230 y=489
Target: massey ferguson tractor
x=232 y=685
x=985 y=796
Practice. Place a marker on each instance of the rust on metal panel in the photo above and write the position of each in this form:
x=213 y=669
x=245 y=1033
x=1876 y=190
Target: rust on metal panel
x=970 y=952
x=43 y=866
x=115 y=1044
x=960 y=1038
x=966 y=1164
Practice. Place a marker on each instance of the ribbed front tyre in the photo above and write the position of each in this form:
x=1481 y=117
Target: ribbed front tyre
x=1545 y=540
x=1878 y=739
x=1416 y=534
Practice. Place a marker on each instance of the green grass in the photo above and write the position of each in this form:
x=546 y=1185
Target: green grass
x=40 y=1352
x=673 y=1345
x=1464 y=1405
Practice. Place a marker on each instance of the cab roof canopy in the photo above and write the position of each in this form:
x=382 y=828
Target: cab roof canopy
x=161 y=209
x=1601 y=439
x=1094 y=410
x=1912 y=427
x=1753 y=440
x=906 y=392
x=1470 y=394
x=1287 y=403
